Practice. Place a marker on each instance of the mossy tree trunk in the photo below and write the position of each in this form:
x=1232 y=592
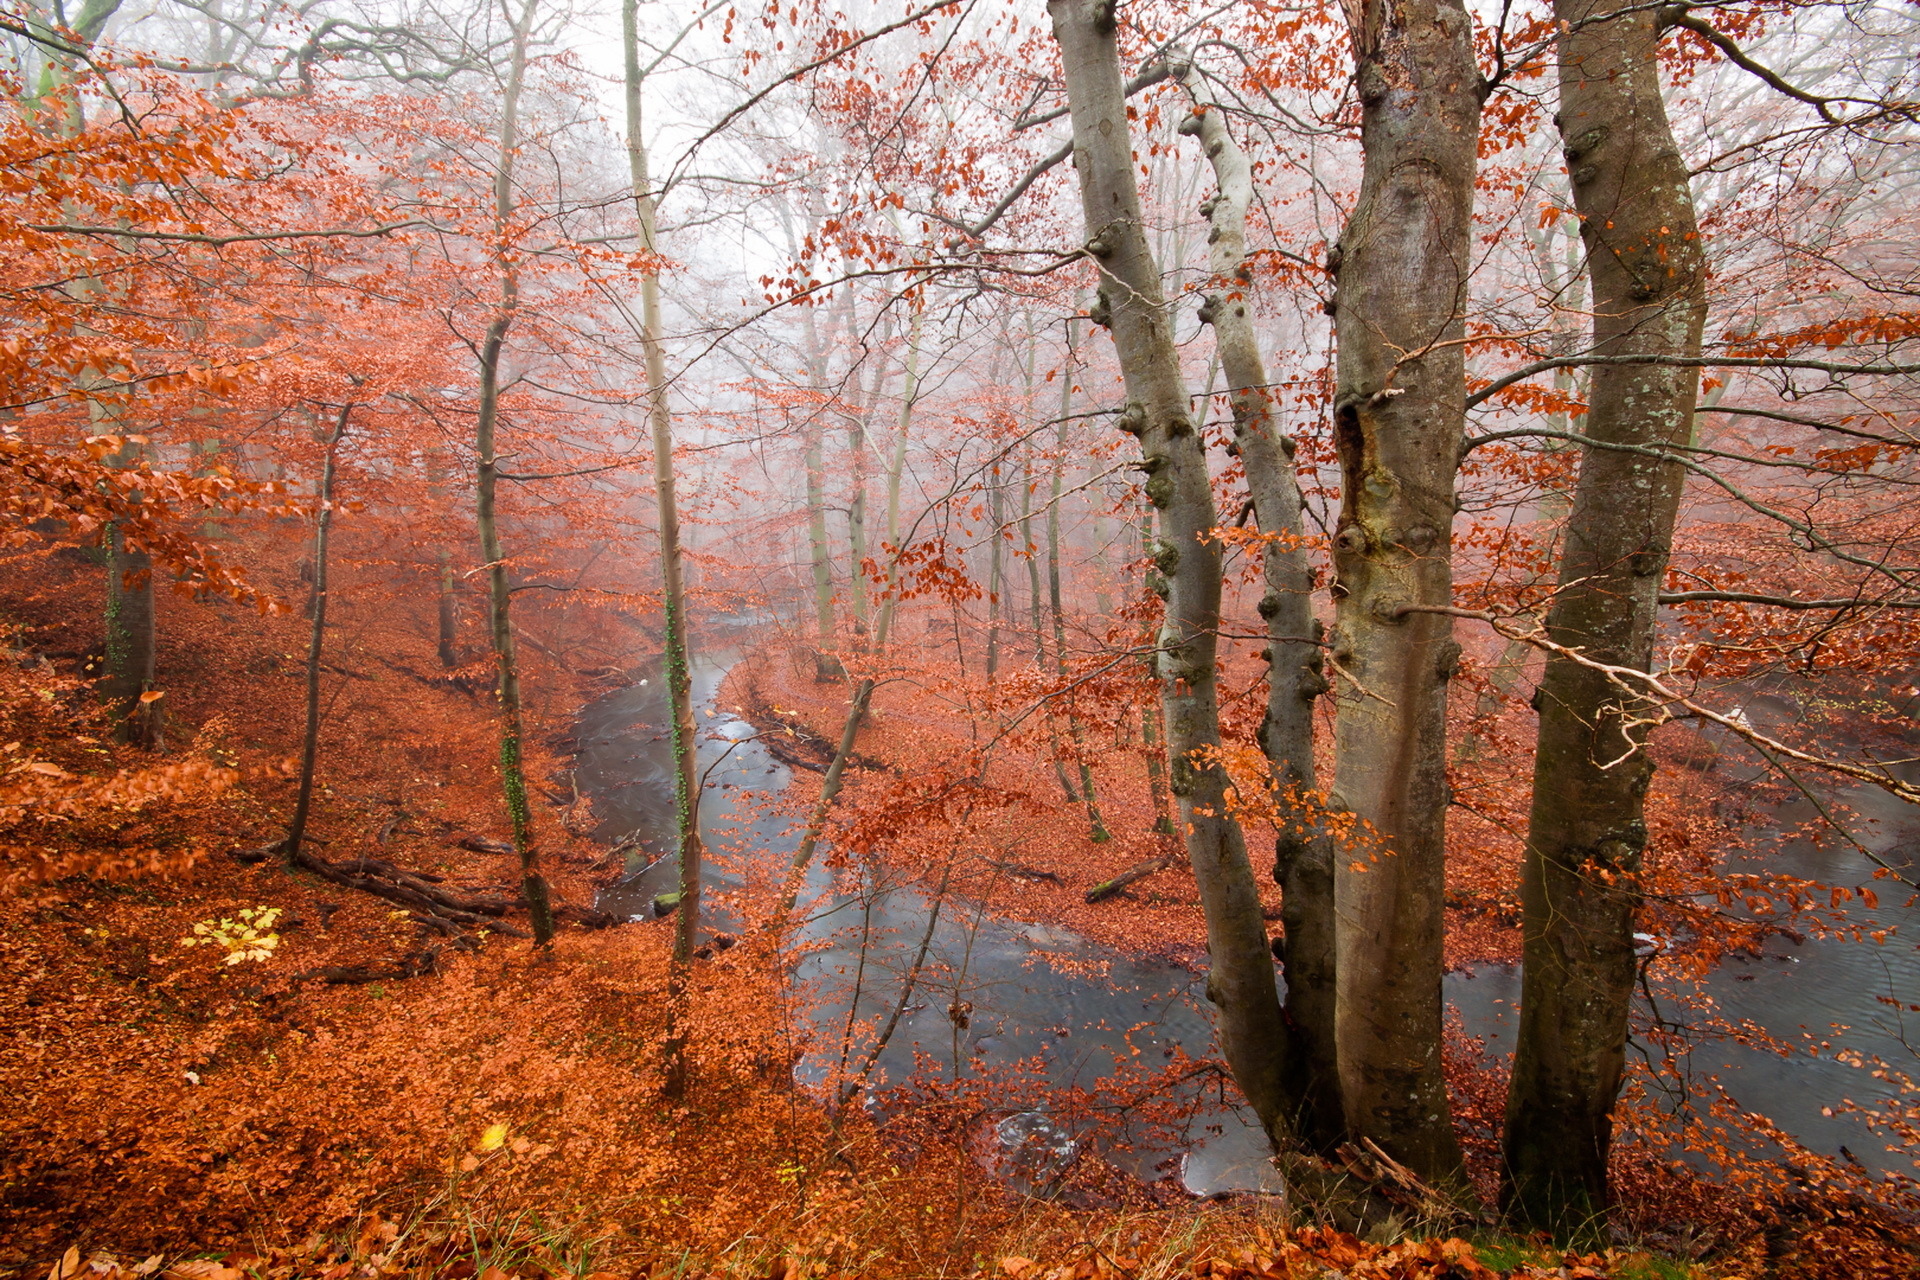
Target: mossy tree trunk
x=1587 y=832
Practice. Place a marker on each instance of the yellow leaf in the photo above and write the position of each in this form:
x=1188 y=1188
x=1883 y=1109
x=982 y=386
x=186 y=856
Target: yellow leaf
x=152 y=695
x=492 y=1139
x=68 y=1264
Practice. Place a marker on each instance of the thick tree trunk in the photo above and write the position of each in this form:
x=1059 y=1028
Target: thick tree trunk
x=316 y=642
x=1241 y=984
x=673 y=593
x=513 y=778
x=1587 y=831
x=1303 y=850
x=1402 y=269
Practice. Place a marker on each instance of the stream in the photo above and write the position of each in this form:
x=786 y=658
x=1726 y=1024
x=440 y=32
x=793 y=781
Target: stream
x=1048 y=1008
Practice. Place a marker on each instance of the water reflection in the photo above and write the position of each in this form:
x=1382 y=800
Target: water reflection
x=1047 y=1011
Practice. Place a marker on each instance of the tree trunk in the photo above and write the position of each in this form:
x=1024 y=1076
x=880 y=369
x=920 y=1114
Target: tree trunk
x=673 y=594
x=1151 y=739
x=316 y=642
x=1034 y=620
x=1096 y=826
x=833 y=779
x=1303 y=850
x=1402 y=272
x=449 y=627
x=129 y=667
x=996 y=576
x=1587 y=832
x=1241 y=984
x=827 y=665
x=513 y=778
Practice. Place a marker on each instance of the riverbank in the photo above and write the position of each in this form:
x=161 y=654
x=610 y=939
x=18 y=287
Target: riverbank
x=1029 y=853
x=331 y=1111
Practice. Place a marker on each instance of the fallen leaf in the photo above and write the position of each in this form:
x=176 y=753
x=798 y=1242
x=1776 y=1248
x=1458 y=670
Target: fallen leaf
x=200 y=1269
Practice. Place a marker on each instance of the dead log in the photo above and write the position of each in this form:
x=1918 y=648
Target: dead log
x=1019 y=872
x=1132 y=875
x=479 y=844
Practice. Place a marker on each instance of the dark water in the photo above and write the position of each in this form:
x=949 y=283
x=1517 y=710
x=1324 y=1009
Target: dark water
x=1035 y=1008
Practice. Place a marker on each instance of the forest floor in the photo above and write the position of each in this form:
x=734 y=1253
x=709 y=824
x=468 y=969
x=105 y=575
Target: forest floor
x=375 y=1098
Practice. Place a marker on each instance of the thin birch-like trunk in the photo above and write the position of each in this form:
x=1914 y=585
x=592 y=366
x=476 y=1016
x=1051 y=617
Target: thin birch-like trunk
x=1035 y=620
x=835 y=775
x=316 y=641
x=1151 y=737
x=1587 y=834
x=1241 y=983
x=1096 y=826
x=513 y=778
x=673 y=594
x=1303 y=849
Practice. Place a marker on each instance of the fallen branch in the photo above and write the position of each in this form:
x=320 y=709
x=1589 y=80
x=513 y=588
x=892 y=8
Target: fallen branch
x=1132 y=875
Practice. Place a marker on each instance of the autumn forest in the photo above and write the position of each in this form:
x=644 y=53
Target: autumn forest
x=1090 y=641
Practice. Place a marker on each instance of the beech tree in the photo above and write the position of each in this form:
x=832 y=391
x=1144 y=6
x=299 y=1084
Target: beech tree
x=1588 y=832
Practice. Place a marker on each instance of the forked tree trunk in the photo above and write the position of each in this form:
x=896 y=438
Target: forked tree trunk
x=673 y=593
x=316 y=643
x=1402 y=269
x=1241 y=984
x=513 y=777
x=1587 y=832
x=1303 y=850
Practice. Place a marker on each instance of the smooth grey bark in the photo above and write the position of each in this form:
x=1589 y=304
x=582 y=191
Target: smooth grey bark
x=673 y=591
x=1241 y=984
x=1401 y=269
x=316 y=642
x=1587 y=832
x=1303 y=849
x=513 y=778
